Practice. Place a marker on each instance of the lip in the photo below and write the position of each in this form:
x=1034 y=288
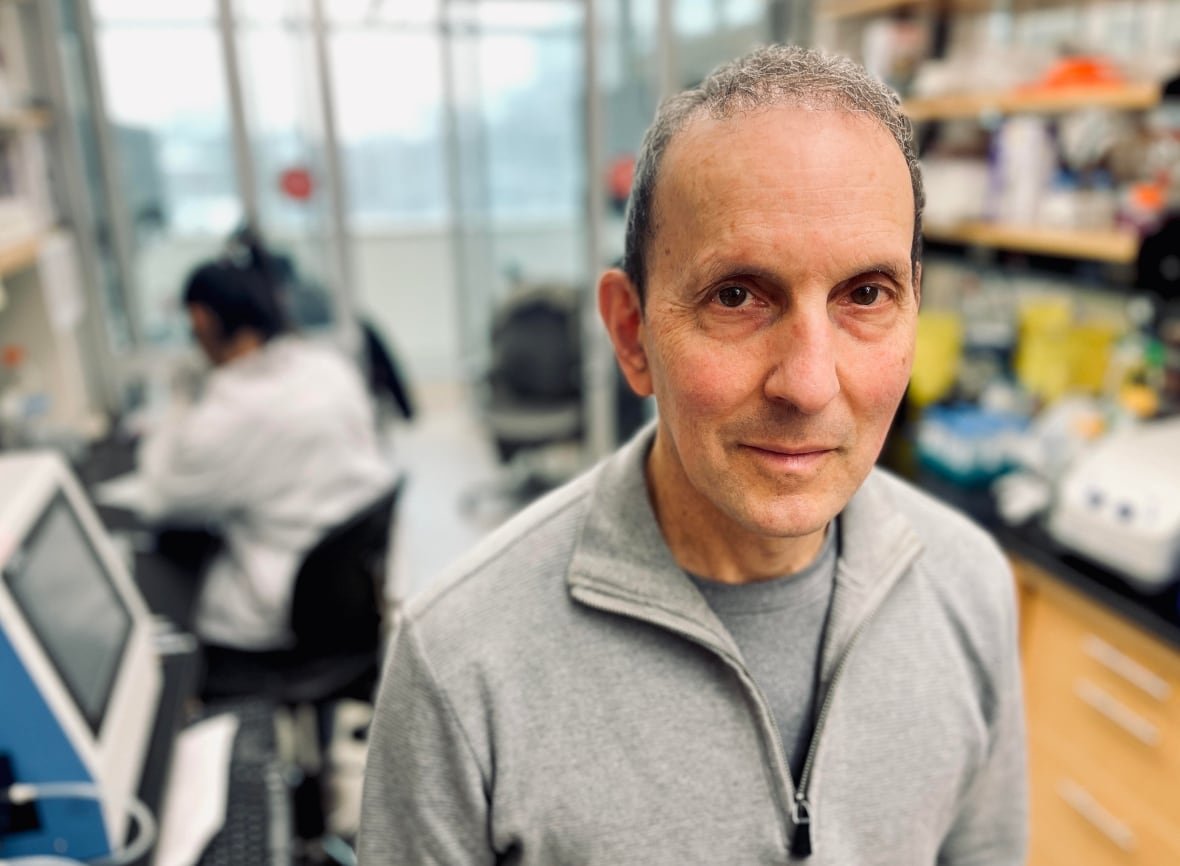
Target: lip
x=789 y=450
x=793 y=458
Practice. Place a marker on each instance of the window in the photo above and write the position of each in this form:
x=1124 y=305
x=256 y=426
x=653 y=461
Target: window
x=389 y=110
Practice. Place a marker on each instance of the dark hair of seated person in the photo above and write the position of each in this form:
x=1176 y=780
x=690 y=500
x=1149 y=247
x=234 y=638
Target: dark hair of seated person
x=240 y=296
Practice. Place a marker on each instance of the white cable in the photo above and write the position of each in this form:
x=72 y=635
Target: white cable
x=144 y=839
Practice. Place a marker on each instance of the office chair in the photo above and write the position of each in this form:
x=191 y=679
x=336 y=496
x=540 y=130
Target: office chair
x=383 y=374
x=533 y=389
x=337 y=618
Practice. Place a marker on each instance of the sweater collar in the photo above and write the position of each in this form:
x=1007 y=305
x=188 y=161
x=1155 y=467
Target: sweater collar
x=622 y=561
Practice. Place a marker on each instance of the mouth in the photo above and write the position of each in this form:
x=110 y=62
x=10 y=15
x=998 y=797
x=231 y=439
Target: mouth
x=790 y=458
x=789 y=450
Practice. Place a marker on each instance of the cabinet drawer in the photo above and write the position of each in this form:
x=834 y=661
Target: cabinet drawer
x=1067 y=631
x=1075 y=698
x=1081 y=818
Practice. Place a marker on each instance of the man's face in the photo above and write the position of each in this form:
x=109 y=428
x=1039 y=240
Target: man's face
x=778 y=329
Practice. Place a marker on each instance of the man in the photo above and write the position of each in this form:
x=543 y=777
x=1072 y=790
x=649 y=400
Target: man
x=734 y=641
x=280 y=447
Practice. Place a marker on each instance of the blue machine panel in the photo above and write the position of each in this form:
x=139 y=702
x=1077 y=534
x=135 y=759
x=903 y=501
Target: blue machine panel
x=41 y=751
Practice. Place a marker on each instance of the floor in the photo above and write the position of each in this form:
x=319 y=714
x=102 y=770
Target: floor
x=444 y=454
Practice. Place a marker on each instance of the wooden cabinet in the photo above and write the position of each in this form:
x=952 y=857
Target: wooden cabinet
x=1103 y=704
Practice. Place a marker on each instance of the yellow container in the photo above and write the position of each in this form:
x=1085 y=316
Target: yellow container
x=1044 y=353
x=936 y=356
x=1089 y=350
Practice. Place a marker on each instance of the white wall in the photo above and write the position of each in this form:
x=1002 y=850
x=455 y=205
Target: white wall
x=408 y=283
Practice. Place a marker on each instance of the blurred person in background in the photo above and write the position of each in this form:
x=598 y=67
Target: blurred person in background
x=279 y=446
x=735 y=640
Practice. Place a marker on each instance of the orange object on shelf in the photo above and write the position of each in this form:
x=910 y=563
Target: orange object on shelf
x=1074 y=72
x=1149 y=196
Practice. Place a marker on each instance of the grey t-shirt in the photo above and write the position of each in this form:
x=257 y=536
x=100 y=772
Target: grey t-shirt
x=779 y=625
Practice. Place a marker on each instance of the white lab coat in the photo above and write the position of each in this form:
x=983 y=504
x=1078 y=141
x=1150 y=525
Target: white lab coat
x=281 y=446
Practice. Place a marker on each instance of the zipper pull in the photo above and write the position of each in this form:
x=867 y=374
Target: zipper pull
x=801 y=818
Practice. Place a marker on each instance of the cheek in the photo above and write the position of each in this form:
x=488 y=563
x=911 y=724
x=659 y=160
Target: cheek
x=876 y=380
x=702 y=380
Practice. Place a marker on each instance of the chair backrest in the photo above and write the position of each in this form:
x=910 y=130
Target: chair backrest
x=337 y=603
x=384 y=373
x=536 y=347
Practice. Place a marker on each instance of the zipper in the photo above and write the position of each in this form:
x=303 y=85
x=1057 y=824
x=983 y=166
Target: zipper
x=776 y=740
x=802 y=811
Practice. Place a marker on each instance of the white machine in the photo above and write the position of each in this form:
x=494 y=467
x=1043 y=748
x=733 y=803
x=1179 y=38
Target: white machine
x=79 y=677
x=1119 y=504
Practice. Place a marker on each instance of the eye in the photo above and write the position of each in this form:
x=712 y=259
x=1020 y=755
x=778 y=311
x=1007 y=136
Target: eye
x=732 y=296
x=866 y=295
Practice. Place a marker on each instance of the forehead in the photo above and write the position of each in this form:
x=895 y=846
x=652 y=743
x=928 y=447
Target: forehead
x=786 y=180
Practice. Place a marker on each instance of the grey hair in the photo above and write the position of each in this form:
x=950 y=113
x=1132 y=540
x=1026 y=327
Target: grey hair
x=773 y=75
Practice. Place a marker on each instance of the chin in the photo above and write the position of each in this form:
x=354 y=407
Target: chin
x=790 y=517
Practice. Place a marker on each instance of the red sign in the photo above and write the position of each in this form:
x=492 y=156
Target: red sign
x=619 y=174
x=296 y=183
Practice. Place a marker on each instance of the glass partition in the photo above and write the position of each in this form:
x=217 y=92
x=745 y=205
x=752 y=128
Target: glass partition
x=460 y=136
x=284 y=125
x=516 y=96
x=114 y=301
x=710 y=32
x=172 y=139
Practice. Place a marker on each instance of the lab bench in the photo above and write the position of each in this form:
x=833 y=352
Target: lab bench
x=166 y=568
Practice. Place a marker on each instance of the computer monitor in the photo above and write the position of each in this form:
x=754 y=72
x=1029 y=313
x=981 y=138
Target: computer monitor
x=79 y=676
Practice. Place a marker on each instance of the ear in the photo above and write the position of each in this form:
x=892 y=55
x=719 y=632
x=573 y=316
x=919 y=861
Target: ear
x=918 y=284
x=618 y=304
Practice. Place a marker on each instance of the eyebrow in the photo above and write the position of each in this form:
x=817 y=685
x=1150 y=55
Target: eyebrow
x=722 y=268
x=898 y=275
x=725 y=268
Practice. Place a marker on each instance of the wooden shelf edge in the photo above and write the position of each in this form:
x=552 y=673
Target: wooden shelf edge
x=18 y=256
x=1114 y=246
x=856 y=8
x=1128 y=97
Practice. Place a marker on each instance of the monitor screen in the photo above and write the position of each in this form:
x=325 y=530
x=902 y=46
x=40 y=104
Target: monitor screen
x=69 y=601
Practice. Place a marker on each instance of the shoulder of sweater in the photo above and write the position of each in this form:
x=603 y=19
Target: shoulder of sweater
x=965 y=565
x=535 y=544
x=941 y=527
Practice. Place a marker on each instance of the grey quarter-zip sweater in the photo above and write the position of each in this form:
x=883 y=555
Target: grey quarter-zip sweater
x=565 y=695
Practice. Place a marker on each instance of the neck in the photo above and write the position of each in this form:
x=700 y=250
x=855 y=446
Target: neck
x=240 y=345
x=710 y=544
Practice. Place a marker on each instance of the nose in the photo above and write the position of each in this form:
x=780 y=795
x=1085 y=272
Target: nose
x=803 y=351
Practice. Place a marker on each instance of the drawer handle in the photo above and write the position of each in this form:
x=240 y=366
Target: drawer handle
x=1127 y=668
x=1091 y=811
x=1110 y=709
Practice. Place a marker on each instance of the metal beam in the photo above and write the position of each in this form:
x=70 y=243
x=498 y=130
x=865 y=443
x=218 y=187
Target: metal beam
x=333 y=168
x=599 y=376
x=118 y=212
x=102 y=379
x=243 y=156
